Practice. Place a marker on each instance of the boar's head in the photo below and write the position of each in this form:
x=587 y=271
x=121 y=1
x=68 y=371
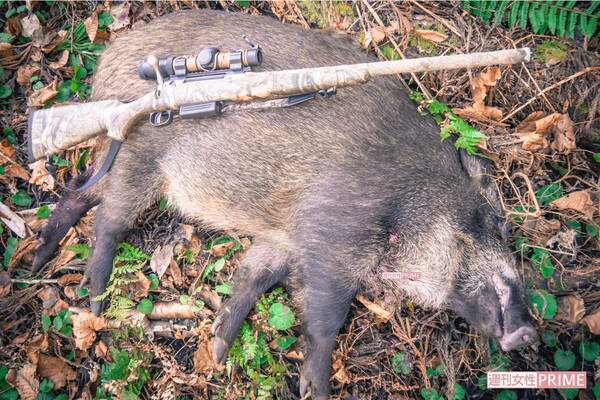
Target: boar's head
x=461 y=259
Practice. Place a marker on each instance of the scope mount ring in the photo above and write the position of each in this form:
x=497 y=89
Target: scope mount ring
x=161 y=118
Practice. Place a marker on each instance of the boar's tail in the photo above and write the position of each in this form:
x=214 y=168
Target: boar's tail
x=70 y=208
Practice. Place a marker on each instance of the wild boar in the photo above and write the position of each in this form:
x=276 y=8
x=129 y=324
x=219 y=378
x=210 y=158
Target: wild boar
x=339 y=196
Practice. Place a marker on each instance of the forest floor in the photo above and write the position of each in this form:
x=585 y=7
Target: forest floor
x=538 y=121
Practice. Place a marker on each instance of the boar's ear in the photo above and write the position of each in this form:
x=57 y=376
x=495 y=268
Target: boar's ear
x=478 y=168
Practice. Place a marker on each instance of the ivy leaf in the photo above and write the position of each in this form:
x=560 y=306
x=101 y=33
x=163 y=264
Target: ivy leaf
x=83 y=251
x=564 y=359
x=548 y=193
x=5 y=91
x=281 y=317
x=46 y=322
x=549 y=338
x=506 y=395
x=11 y=246
x=400 y=365
x=459 y=392
x=225 y=288
x=544 y=303
x=286 y=342
x=21 y=199
x=145 y=307
x=541 y=261
x=43 y=212
x=589 y=350
x=569 y=393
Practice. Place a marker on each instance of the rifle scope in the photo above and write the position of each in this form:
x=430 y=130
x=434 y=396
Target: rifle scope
x=209 y=59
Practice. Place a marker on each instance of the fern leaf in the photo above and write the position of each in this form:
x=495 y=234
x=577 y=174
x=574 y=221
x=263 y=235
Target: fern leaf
x=582 y=24
x=534 y=19
x=500 y=10
x=571 y=4
x=514 y=12
x=591 y=27
x=571 y=25
x=523 y=15
x=552 y=20
x=562 y=22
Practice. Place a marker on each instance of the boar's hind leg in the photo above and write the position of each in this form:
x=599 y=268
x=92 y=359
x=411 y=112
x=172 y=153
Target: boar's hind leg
x=261 y=268
x=111 y=224
x=326 y=300
x=70 y=208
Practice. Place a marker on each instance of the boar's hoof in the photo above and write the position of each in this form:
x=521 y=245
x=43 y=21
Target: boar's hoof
x=97 y=307
x=220 y=350
x=310 y=385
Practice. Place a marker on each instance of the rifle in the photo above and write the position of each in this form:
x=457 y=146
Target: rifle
x=56 y=129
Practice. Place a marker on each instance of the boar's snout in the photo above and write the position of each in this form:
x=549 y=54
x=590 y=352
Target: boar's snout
x=498 y=309
x=522 y=336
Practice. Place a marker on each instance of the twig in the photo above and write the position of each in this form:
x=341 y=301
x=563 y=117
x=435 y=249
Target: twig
x=397 y=48
x=549 y=88
x=439 y=19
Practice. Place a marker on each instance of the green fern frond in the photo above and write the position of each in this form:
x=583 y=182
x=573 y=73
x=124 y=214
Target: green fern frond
x=554 y=17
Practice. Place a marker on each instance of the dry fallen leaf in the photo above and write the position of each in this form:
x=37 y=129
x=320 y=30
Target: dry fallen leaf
x=36 y=345
x=381 y=314
x=67 y=279
x=17 y=171
x=31 y=26
x=593 y=321
x=534 y=142
x=40 y=176
x=91 y=26
x=175 y=272
x=579 y=201
x=26 y=383
x=536 y=125
x=39 y=97
x=432 y=36
x=100 y=350
x=161 y=258
x=220 y=250
x=141 y=286
x=61 y=61
x=24 y=251
x=24 y=74
x=377 y=34
x=479 y=88
x=55 y=369
x=564 y=135
x=120 y=14
x=340 y=374
x=570 y=308
x=55 y=40
x=203 y=361
x=85 y=326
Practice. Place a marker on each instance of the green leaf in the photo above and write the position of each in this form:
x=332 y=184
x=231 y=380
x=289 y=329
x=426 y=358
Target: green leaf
x=79 y=73
x=21 y=199
x=438 y=108
x=145 y=307
x=569 y=393
x=59 y=162
x=286 y=342
x=154 y=282
x=459 y=392
x=523 y=15
x=542 y=262
x=591 y=229
x=552 y=20
x=549 y=338
x=5 y=91
x=548 y=193
x=83 y=251
x=11 y=246
x=43 y=212
x=281 y=317
x=564 y=359
x=219 y=264
x=591 y=27
x=225 y=288
x=399 y=364
x=506 y=394
x=6 y=37
x=514 y=12
x=437 y=371
x=430 y=394
x=184 y=299
x=82 y=292
x=597 y=157
x=46 y=322
x=162 y=204
x=596 y=390
x=571 y=25
x=500 y=12
x=534 y=19
x=104 y=19
x=589 y=350
x=562 y=22
x=544 y=303
x=389 y=52
x=46 y=386
x=9 y=134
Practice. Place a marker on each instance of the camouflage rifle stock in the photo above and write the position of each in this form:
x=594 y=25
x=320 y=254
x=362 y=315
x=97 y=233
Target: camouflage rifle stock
x=56 y=129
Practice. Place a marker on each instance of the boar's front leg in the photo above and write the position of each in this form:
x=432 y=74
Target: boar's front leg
x=327 y=298
x=111 y=225
x=261 y=268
